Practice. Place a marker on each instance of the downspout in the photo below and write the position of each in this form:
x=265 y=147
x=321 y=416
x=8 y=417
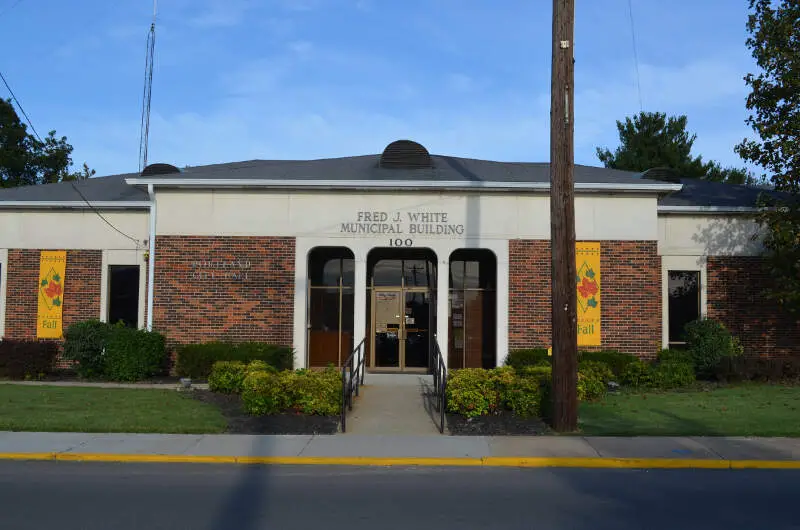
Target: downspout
x=151 y=258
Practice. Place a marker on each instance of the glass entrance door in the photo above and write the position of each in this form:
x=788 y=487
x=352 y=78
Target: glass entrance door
x=402 y=320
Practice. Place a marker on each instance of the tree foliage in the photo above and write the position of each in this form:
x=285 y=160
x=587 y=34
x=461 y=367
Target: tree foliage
x=653 y=140
x=27 y=160
x=774 y=103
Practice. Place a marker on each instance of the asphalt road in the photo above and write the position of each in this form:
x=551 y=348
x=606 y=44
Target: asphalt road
x=87 y=496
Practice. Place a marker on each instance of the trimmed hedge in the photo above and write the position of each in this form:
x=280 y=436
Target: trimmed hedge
x=227 y=377
x=518 y=359
x=22 y=359
x=134 y=354
x=196 y=360
x=303 y=391
x=616 y=361
x=84 y=343
x=672 y=374
x=735 y=369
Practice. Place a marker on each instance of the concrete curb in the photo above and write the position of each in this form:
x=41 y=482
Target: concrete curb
x=522 y=462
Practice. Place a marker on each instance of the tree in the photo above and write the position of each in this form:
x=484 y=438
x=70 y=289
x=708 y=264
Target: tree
x=774 y=103
x=651 y=139
x=26 y=160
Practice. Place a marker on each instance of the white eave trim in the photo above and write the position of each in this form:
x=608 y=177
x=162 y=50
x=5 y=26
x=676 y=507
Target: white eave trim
x=79 y=205
x=708 y=209
x=309 y=184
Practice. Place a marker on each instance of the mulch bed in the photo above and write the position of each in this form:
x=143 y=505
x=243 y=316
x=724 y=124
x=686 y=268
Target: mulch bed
x=239 y=422
x=503 y=423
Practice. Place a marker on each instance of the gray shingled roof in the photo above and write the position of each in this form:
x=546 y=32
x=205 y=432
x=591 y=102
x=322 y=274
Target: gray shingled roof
x=355 y=168
x=106 y=189
x=715 y=194
x=446 y=169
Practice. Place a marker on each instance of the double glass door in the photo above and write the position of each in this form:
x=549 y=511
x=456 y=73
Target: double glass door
x=401 y=328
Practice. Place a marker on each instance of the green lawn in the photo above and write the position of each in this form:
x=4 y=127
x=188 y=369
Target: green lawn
x=746 y=410
x=51 y=408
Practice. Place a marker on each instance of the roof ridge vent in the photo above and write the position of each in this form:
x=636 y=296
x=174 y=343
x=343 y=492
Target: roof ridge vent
x=405 y=154
x=159 y=169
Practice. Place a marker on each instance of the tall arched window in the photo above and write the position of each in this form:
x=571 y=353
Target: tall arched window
x=473 y=309
x=331 y=297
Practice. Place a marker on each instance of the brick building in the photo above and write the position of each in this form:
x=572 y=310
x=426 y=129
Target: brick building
x=402 y=250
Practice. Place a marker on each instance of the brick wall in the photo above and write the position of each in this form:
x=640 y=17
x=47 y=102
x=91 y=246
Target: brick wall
x=630 y=295
x=202 y=294
x=81 y=290
x=735 y=285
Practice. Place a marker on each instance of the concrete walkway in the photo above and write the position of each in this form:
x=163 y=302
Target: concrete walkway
x=393 y=404
x=388 y=450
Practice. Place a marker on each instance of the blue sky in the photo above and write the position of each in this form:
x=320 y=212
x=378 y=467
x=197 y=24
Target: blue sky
x=243 y=79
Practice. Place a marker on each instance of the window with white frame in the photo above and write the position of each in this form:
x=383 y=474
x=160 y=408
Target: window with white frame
x=683 y=304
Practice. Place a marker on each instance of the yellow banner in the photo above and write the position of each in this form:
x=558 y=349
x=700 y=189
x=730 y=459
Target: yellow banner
x=587 y=260
x=52 y=269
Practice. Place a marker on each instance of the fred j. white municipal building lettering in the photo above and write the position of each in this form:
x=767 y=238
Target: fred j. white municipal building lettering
x=406 y=223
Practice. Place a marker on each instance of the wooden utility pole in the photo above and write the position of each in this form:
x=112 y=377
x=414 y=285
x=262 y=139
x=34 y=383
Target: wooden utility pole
x=562 y=220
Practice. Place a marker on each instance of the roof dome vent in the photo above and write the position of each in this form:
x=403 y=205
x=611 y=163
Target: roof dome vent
x=159 y=169
x=663 y=174
x=405 y=154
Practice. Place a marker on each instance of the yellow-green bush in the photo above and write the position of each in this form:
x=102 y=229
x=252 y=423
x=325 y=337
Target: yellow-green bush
x=227 y=377
x=308 y=392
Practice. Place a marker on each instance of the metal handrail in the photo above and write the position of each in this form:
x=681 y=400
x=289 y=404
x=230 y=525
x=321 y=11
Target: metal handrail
x=352 y=378
x=439 y=383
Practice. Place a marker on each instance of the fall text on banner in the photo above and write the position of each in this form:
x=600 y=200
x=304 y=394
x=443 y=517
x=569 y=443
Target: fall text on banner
x=52 y=271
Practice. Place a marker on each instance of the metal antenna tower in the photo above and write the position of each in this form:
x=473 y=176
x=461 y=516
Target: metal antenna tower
x=148 y=88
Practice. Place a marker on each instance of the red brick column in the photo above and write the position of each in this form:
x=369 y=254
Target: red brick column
x=204 y=290
x=735 y=298
x=81 y=294
x=630 y=298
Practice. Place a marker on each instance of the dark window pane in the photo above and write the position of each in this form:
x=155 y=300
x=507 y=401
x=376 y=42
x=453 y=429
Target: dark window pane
x=387 y=273
x=684 y=302
x=327 y=264
x=324 y=309
x=417 y=273
x=471 y=275
x=348 y=272
x=123 y=295
x=456 y=274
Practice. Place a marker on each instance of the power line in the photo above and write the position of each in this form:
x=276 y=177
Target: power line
x=20 y=107
x=14 y=97
x=15 y=4
x=89 y=204
x=635 y=54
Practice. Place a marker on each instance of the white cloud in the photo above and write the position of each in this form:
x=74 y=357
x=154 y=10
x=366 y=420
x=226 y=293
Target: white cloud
x=272 y=110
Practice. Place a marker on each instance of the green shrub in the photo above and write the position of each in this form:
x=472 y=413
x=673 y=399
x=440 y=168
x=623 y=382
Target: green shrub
x=316 y=393
x=196 y=360
x=538 y=372
x=524 y=396
x=23 y=359
x=672 y=374
x=227 y=377
x=259 y=366
x=597 y=369
x=304 y=391
x=638 y=374
x=590 y=386
x=133 y=354
x=708 y=342
x=265 y=393
x=471 y=392
x=675 y=354
x=84 y=343
x=615 y=360
x=518 y=359
x=763 y=369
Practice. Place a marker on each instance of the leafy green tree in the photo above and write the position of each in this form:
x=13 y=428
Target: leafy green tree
x=25 y=160
x=774 y=103
x=651 y=139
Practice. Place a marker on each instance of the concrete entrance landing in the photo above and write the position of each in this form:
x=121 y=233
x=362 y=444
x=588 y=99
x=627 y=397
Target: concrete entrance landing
x=393 y=404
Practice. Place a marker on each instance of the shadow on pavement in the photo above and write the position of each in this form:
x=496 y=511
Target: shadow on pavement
x=245 y=504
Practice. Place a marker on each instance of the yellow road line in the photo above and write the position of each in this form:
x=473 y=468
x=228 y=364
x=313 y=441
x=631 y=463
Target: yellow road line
x=520 y=462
